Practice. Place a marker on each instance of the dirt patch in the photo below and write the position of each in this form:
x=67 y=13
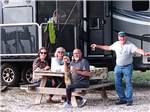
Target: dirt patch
x=16 y=100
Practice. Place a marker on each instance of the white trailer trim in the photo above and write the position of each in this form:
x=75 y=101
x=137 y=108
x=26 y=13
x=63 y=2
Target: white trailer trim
x=131 y=20
x=34 y=54
x=19 y=24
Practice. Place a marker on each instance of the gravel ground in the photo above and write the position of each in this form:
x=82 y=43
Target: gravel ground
x=16 y=100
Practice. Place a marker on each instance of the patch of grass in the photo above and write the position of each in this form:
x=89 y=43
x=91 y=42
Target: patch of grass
x=111 y=76
x=138 y=76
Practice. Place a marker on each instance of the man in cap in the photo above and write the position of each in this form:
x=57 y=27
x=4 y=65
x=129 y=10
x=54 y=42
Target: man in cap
x=124 y=50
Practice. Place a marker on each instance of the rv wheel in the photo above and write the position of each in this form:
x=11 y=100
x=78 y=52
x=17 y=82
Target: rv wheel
x=9 y=75
x=27 y=75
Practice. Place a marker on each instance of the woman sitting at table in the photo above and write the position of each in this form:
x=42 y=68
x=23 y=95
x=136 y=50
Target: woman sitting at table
x=57 y=63
x=57 y=66
x=41 y=63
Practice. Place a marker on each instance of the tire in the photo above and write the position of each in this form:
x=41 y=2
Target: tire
x=27 y=75
x=9 y=75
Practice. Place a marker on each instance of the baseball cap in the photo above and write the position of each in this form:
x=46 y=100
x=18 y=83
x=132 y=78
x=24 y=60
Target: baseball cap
x=121 y=33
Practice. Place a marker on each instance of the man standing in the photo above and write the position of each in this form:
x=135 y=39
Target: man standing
x=80 y=72
x=124 y=50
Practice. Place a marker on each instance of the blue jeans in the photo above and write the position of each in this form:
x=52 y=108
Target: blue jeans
x=125 y=94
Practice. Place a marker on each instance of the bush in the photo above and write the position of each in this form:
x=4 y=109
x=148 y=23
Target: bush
x=138 y=76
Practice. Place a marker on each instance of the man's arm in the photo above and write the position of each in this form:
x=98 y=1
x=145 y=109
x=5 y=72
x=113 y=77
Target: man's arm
x=84 y=73
x=142 y=52
x=104 y=47
x=81 y=72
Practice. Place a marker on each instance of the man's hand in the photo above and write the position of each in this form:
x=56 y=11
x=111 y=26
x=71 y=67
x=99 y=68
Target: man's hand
x=47 y=68
x=66 y=59
x=147 y=54
x=93 y=46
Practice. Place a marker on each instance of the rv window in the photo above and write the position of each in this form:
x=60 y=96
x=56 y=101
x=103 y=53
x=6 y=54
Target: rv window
x=10 y=14
x=19 y=39
x=140 y=5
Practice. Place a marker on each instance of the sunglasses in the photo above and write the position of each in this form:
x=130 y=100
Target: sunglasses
x=43 y=52
x=60 y=52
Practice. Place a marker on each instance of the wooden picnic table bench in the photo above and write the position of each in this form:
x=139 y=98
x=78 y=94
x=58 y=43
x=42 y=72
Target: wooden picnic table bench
x=62 y=91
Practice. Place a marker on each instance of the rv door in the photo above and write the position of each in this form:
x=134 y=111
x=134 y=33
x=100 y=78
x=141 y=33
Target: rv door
x=98 y=26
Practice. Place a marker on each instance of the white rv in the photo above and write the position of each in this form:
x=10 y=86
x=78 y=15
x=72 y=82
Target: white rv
x=80 y=24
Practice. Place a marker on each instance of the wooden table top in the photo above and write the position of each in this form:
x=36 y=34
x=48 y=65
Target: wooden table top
x=48 y=73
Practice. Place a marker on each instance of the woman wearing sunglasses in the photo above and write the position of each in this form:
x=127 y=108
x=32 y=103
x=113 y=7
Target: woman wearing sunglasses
x=41 y=62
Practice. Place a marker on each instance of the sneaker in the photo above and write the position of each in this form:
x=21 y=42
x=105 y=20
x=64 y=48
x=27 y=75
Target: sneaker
x=37 y=84
x=121 y=102
x=82 y=103
x=33 y=86
x=129 y=103
x=67 y=105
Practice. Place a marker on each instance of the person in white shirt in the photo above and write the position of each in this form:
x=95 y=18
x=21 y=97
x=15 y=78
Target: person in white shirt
x=124 y=50
x=57 y=61
x=57 y=65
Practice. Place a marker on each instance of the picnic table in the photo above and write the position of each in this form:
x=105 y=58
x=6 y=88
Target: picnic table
x=43 y=75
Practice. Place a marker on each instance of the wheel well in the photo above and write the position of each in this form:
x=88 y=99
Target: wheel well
x=10 y=74
x=18 y=66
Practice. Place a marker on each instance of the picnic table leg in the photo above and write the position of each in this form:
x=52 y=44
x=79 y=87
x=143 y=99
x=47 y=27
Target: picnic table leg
x=39 y=96
x=74 y=101
x=104 y=96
